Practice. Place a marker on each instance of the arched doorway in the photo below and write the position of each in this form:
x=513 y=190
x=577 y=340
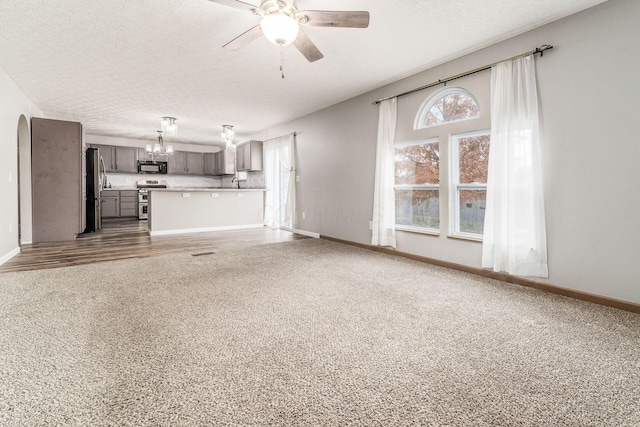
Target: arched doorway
x=24 y=181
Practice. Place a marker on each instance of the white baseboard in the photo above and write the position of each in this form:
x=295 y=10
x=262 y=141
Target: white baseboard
x=201 y=230
x=10 y=255
x=306 y=233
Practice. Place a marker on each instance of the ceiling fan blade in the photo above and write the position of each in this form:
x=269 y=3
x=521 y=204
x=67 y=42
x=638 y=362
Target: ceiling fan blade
x=244 y=38
x=236 y=4
x=307 y=48
x=334 y=18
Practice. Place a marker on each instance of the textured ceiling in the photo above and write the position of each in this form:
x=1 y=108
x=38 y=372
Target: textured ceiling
x=118 y=66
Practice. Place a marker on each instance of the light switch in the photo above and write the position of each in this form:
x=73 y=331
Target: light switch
x=297 y=178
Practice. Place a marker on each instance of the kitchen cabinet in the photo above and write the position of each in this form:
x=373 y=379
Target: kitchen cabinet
x=119 y=159
x=143 y=155
x=186 y=163
x=126 y=160
x=195 y=164
x=210 y=163
x=110 y=201
x=220 y=163
x=225 y=162
x=177 y=163
x=119 y=203
x=58 y=180
x=128 y=203
x=249 y=156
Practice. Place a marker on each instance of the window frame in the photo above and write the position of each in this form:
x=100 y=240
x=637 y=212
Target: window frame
x=456 y=186
x=426 y=106
x=431 y=187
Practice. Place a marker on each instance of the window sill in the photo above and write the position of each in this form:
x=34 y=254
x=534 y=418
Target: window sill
x=418 y=230
x=465 y=237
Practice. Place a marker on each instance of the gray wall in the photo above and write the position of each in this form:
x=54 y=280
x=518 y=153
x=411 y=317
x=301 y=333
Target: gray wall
x=13 y=105
x=588 y=90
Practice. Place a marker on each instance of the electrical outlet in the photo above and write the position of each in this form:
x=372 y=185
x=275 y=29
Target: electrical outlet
x=370 y=225
x=304 y=215
x=240 y=195
x=185 y=195
x=297 y=178
x=214 y=195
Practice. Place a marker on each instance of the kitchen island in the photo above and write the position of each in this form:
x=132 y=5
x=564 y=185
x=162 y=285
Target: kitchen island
x=192 y=210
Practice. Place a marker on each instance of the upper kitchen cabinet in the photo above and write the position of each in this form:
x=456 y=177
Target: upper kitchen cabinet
x=186 y=163
x=57 y=180
x=195 y=163
x=126 y=160
x=119 y=159
x=143 y=155
x=220 y=163
x=177 y=163
x=249 y=156
x=210 y=163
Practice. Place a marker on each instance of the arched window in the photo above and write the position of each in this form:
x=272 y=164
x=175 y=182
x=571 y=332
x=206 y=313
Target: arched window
x=445 y=106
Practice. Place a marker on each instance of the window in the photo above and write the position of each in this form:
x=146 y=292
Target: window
x=447 y=105
x=417 y=183
x=470 y=165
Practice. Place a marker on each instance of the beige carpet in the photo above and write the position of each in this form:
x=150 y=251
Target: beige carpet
x=309 y=332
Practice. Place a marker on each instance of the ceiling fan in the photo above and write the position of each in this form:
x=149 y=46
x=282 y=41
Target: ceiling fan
x=280 y=24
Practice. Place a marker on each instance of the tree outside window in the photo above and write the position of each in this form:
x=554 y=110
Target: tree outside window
x=470 y=169
x=445 y=106
x=417 y=183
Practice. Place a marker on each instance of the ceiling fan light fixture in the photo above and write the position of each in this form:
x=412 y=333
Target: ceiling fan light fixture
x=279 y=28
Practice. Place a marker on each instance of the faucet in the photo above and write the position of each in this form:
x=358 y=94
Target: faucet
x=235 y=179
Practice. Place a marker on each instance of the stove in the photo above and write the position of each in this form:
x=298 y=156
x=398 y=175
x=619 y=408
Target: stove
x=143 y=194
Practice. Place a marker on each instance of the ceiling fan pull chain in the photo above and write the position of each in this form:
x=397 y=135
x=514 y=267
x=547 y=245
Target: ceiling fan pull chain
x=281 y=63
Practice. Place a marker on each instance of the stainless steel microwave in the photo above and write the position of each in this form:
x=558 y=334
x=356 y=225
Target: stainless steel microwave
x=148 y=166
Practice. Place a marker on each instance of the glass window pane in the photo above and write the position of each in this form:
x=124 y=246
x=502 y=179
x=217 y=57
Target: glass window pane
x=454 y=106
x=472 y=207
x=474 y=158
x=418 y=208
x=418 y=164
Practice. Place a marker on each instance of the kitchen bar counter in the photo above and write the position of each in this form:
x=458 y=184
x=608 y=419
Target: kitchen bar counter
x=210 y=189
x=191 y=210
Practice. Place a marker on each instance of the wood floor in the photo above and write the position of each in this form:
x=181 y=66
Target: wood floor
x=129 y=239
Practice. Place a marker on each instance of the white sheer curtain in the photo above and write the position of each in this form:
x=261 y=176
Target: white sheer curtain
x=279 y=176
x=515 y=238
x=384 y=209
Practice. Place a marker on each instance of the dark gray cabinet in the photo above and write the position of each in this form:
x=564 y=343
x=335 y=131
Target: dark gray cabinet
x=177 y=163
x=110 y=200
x=119 y=203
x=186 y=163
x=58 y=180
x=128 y=203
x=195 y=163
x=119 y=159
x=249 y=156
x=220 y=163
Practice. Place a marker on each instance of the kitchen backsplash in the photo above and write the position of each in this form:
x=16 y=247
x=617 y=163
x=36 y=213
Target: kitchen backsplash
x=127 y=180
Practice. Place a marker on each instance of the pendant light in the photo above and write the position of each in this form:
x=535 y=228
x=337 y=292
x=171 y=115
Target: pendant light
x=169 y=126
x=228 y=135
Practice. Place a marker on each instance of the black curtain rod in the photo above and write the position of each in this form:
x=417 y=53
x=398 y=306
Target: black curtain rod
x=539 y=50
x=294 y=133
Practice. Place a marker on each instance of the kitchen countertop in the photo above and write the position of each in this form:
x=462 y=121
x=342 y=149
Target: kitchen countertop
x=187 y=189
x=210 y=189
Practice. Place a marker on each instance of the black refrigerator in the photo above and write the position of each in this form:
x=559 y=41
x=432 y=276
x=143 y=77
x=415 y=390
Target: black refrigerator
x=94 y=187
